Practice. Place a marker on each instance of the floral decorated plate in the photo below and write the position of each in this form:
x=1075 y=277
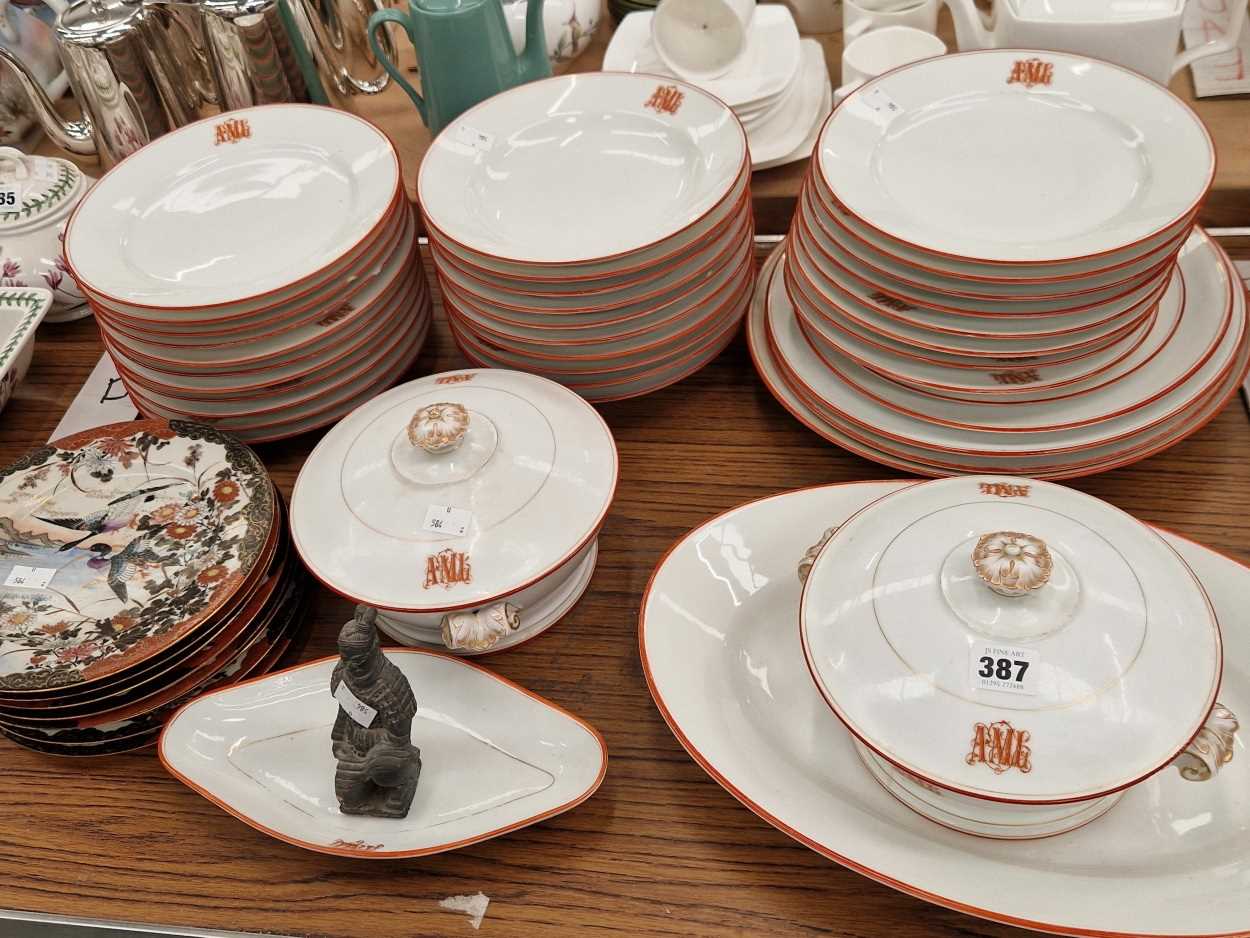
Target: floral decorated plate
x=495 y=756
x=117 y=541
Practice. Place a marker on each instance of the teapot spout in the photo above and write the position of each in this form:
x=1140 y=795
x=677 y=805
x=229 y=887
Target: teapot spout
x=972 y=32
x=76 y=137
x=533 y=62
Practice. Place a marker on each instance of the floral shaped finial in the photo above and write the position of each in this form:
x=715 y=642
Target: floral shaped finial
x=439 y=428
x=1013 y=564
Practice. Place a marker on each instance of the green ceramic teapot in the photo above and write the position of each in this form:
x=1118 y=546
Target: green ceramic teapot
x=464 y=52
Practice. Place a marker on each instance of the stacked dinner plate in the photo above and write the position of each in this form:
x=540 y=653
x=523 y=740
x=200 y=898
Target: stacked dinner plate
x=258 y=271
x=140 y=564
x=993 y=266
x=595 y=229
x=779 y=88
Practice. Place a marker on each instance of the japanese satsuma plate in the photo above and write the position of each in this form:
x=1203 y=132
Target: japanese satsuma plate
x=720 y=649
x=495 y=758
x=117 y=541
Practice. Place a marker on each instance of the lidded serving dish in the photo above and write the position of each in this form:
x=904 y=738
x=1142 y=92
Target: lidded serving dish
x=464 y=506
x=32 y=230
x=1011 y=655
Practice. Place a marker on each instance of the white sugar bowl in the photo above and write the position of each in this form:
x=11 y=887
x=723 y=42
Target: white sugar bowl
x=464 y=506
x=1011 y=656
x=37 y=196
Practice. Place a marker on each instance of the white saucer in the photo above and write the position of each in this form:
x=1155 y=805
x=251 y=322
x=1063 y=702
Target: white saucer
x=719 y=640
x=780 y=132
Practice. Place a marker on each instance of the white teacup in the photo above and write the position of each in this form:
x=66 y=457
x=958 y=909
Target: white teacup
x=860 y=16
x=881 y=50
x=701 y=39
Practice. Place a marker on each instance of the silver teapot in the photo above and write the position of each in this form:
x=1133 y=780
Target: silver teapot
x=139 y=68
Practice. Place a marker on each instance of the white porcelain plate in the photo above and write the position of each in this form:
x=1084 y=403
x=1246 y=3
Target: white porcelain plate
x=720 y=647
x=1013 y=156
x=580 y=167
x=233 y=207
x=494 y=756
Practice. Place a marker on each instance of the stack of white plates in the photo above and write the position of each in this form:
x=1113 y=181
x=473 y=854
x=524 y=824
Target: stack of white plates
x=988 y=273
x=779 y=89
x=258 y=271
x=595 y=229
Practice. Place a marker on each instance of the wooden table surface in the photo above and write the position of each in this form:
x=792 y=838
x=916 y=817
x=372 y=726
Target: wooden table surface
x=661 y=849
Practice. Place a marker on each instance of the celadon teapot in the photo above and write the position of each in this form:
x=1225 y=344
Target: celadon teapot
x=464 y=52
x=1139 y=34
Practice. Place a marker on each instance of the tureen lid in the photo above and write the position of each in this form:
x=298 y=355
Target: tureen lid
x=1010 y=639
x=454 y=490
x=47 y=188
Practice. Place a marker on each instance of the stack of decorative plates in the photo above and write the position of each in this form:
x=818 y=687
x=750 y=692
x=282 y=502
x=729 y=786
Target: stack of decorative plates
x=470 y=503
x=595 y=229
x=140 y=564
x=979 y=279
x=258 y=271
x=779 y=88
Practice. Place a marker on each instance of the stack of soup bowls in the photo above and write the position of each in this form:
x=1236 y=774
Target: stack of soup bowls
x=957 y=294
x=142 y=563
x=259 y=271
x=595 y=229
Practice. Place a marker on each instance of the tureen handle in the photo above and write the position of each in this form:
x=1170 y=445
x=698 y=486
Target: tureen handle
x=15 y=161
x=439 y=428
x=481 y=629
x=809 y=556
x=1211 y=749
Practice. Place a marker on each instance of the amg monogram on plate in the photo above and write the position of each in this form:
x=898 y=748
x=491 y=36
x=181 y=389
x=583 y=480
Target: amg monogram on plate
x=453 y=379
x=1001 y=747
x=1004 y=489
x=893 y=302
x=342 y=311
x=666 y=99
x=1031 y=73
x=1016 y=377
x=231 y=131
x=447 y=568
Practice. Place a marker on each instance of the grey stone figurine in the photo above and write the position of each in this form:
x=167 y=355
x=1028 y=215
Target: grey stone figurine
x=378 y=766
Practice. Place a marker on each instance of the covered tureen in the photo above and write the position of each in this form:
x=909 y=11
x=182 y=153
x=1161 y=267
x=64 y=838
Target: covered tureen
x=464 y=506
x=37 y=196
x=1012 y=655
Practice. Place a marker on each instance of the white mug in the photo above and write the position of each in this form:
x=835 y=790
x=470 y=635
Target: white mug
x=701 y=39
x=860 y=16
x=880 y=50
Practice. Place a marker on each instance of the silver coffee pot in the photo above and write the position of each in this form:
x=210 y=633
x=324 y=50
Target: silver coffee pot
x=139 y=68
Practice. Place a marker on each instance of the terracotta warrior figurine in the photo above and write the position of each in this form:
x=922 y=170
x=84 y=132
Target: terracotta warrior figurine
x=378 y=766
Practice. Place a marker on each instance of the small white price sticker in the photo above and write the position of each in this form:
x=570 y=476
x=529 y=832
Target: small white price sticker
x=10 y=197
x=479 y=140
x=353 y=706
x=443 y=519
x=882 y=103
x=36 y=578
x=994 y=666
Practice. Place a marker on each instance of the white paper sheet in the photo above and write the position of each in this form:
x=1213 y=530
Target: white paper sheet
x=101 y=400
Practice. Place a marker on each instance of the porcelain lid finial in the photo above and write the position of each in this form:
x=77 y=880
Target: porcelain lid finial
x=1013 y=564
x=439 y=428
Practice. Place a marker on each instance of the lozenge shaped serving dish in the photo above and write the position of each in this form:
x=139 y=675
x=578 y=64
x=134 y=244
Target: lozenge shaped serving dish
x=495 y=757
x=464 y=506
x=1011 y=654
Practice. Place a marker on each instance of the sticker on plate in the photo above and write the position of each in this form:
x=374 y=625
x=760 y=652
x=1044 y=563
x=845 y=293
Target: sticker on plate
x=353 y=706
x=1003 y=668
x=10 y=197
x=479 y=140
x=35 y=578
x=443 y=519
x=882 y=103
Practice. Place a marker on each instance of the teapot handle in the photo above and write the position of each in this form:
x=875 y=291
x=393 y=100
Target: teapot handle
x=376 y=21
x=1215 y=46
